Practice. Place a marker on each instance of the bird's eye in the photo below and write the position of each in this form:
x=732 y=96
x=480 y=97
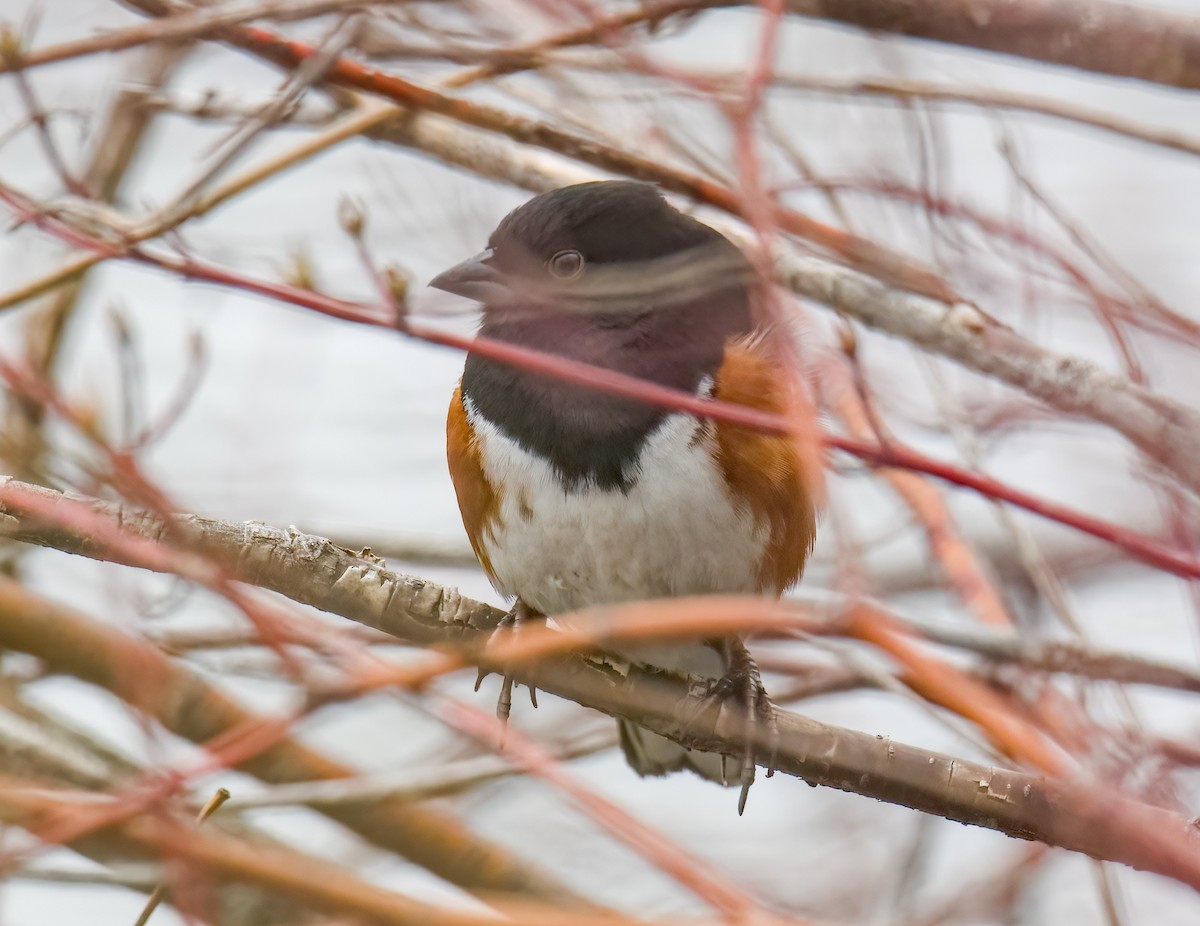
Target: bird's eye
x=566 y=265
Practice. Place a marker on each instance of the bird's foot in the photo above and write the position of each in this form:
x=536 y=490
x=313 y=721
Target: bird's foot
x=741 y=687
x=518 y=614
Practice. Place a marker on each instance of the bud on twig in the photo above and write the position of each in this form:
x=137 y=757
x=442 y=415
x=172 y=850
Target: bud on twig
x=352 y=216
x=397 y=281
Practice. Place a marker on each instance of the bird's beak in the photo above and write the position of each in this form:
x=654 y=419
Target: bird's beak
x=476 y=279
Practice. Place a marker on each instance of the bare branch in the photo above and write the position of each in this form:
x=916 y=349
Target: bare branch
x=1164 y=430
x=37 y=747
x=1103 y=36
x=317 y=883
x=411 y=785
x=1147 y=549
x=994 y=98
x=186 y=25
x=1093 y=35
x=192 y=708
x=314 y=571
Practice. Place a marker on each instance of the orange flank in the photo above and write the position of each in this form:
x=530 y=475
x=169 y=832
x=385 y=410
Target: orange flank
x=478 y=499
x=762 y=470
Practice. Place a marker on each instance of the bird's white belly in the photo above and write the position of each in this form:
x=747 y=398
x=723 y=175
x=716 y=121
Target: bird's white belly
x=675 y=531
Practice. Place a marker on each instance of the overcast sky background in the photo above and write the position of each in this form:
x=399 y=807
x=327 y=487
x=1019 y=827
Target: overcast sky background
x=338 y=429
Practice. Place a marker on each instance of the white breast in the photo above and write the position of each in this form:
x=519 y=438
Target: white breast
x=676 y=531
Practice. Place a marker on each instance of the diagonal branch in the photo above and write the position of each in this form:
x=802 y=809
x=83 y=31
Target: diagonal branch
x=1102 y=36
x=1064 y=812
x=1093 y=35
x=1147 y=549
x=891 y=294
x=317 y=884
x=185 y=703
x=1165 y=430
x=38 y=748
x=289 y=54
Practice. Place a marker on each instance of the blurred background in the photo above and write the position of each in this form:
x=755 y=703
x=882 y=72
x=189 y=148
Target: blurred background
x=271 y=412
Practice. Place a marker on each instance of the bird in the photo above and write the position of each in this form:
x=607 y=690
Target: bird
x=573 y=496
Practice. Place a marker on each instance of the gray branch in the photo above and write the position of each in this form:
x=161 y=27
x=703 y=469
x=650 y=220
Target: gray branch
x=1072 y=814
x=1166 y=431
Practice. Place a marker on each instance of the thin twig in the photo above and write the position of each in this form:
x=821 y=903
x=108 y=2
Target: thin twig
x=411 y=785
x=220 y=796
x=190 y=24
x=1139 y=546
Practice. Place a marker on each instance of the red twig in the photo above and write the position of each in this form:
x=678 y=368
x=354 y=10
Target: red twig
x=736 y=905
x=227 y=750
x=1140 y=546
x=861 y=253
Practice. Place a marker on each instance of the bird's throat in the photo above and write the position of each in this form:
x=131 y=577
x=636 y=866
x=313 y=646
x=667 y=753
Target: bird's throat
x=589 y=435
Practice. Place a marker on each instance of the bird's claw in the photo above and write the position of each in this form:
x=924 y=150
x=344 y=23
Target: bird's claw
x=759 y=719
x=510 y=623
x=742 y=687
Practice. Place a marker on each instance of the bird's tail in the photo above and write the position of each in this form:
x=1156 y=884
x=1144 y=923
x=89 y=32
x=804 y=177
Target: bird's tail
x=650 y=754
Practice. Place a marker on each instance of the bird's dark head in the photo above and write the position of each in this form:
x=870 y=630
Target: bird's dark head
x=605 y=248
x=611 y=275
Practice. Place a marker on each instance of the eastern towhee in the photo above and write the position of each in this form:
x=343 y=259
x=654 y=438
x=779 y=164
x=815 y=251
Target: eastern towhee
x=573 y=496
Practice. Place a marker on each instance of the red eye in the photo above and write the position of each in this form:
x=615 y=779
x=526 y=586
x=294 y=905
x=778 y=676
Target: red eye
x=566 y=265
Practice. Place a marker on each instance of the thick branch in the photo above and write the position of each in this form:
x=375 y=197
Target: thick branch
x=1102 y=36
x=1166 y=431
x=192 y=708
x=1092 y=35
x=316 y=572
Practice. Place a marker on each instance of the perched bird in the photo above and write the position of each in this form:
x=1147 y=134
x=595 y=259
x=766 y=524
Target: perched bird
x=573 y=496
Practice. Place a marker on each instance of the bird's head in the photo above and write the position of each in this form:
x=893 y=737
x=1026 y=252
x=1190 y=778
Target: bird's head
x=607 y=248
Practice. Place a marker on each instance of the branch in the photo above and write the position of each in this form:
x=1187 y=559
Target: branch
x=38 y=749
x=1105 y=37
x=441 y=780
x=1068 y=813
x=1079 y=659
x=316 y=883
x=988 y=98
x=185 y=703
x=843 y=391
x=1165 y=430
x=1147 y=549
x=1092 y=35
x=193 y=24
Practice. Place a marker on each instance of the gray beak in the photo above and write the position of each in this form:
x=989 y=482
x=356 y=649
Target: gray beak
x=475 y=279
